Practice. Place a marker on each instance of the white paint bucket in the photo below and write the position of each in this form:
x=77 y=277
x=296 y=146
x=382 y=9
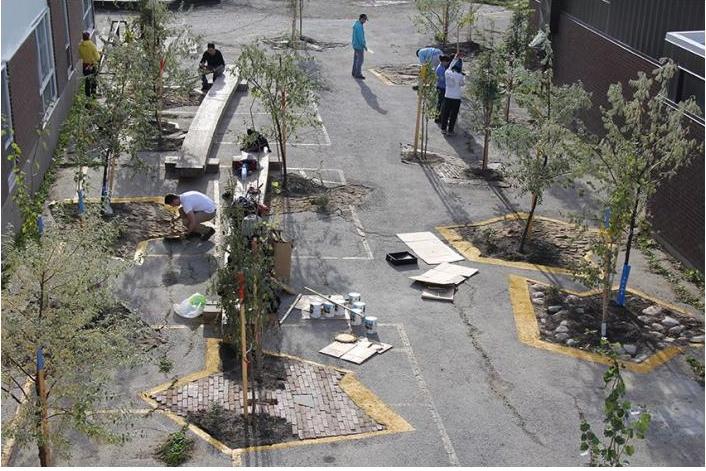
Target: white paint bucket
x=371 y=324
x=329 y=310
x=315 y=310
x=359 y=305
x=353 y=297
x=356 y=317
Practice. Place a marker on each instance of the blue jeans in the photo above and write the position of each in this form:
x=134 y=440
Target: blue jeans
x=358 y=55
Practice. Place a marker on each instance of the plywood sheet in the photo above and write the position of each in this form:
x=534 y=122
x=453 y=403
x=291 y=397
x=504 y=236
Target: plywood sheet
x=361 y=352
x=429 y=248
x=337 y=349
x=445 y=274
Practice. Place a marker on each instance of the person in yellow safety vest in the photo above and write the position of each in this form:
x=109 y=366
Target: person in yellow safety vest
x=90 y=56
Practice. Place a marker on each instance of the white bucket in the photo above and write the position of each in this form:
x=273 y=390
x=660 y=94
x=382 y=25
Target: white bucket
x=329 y=310
x=356 y=317
x=359 y=305
x=353 y=297
x=315 y=310
x=371 y=324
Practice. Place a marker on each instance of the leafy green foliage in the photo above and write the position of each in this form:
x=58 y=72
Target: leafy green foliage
x=177 y=448
x=619 y=429
x=426 y=88
x=280 y=82
x=513 y=53
x=441 y=18
x=57 y=294
x=484 y=92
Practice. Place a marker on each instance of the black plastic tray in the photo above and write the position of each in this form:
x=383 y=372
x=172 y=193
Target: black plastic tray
x=401 y=258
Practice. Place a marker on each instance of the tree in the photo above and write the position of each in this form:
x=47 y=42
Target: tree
x=484 y=92
x=286 y=91
x=619 y=429
x=427 y=100
x=546 y=147
x=440 y=17
x=168 y=44
x=647 y=140
x=63 y=332
x=513 y=52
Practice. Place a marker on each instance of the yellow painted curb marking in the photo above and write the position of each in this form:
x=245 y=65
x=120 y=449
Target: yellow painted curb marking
x=472 y=253
x=528 y=329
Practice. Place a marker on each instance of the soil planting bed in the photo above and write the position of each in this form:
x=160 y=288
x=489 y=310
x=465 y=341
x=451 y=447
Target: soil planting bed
x=136 y=221
x=549 y=243
x=304 y=194
x=400 y=74
x=641 y=326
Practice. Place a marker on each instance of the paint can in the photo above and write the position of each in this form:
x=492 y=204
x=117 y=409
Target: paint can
x=371 y=324
x=329 y=310
x=353 y=297
x=315 y=309
x=356 y=317
x=359 y=305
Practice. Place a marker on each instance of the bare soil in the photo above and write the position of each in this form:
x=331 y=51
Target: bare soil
x=549 y=243
x=641 y=326
x=304 y=194
x=400 y=74
x=136 y=222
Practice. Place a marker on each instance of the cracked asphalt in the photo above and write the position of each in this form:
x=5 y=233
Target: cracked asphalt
x=474 y=394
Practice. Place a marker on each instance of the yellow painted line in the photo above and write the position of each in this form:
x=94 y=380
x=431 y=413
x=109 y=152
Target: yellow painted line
x=359 y=394
x=384 y=79
x=472 y=253
x=528 y=329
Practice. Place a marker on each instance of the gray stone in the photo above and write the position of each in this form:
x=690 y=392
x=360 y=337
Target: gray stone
x=652 y=310
x=561 y=336
x=657 y=335
x=625 y=357
x=538 y=301
x=669 y=321
x=676 y=330
x=553 y=309
x=538 y=287
x=560 y=314
x=579 y=310
x=630 y=348
x=572 y=342
x=641 y=358
x=661 y=344
x=572 y=299
x=697 y=339
x=561 y=329
x=564 y=322
x=645 y=319
x=669 y=339
x=658 y=327
x=543 y=320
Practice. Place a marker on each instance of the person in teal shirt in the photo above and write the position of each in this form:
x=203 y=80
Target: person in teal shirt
x=359 y=46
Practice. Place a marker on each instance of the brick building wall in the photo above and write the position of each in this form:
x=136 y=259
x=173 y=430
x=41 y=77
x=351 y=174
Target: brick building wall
x=37 y=139
x=676 y=211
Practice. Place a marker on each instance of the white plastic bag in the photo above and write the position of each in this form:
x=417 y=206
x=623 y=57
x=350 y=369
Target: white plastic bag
x=191 y=307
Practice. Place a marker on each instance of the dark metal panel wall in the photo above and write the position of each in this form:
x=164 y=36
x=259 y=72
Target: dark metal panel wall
x=640 y=24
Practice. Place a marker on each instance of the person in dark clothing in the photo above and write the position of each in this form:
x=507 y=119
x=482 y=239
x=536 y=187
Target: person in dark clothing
x=211 y=62
x=444 y=61
x=255 y=142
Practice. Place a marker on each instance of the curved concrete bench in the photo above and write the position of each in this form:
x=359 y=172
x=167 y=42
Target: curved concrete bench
x=193 y=156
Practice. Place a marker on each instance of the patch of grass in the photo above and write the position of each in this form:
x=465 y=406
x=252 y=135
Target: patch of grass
x=697 y=367
x=165 y=365
x=177 y=449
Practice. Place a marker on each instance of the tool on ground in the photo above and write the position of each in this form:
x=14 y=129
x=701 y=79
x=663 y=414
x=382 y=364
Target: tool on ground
x=296 y=300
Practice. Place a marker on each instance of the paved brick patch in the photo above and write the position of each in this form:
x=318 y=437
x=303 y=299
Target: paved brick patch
x=310 y=399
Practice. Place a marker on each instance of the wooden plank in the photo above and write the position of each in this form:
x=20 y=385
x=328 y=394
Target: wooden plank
x=363 y=350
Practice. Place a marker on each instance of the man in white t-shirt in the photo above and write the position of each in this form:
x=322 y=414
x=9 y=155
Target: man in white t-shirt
x=195 y=209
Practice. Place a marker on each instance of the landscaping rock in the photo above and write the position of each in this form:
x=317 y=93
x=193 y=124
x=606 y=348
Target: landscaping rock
x=630 y=349
x=697 y=339
x=561 y=336
x=543 y=320
x=641 y=358
x=645 y=319
x=553 y=309
x=572 y=342
x=625 y=357
x=661 y=344
x=652 y=310
x=657 y=327
x=561 y=329
x=572 y=299
x=538 y=301
x=669 y=321
x=676 y=330
x=560 y=314
x=564 y=322
x=657 y=335
x=580 y=310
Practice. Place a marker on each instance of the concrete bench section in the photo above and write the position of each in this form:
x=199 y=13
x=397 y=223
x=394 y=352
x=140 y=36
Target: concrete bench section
x=193 y=156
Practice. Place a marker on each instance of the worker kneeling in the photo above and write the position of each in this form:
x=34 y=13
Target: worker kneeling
x=195 y=209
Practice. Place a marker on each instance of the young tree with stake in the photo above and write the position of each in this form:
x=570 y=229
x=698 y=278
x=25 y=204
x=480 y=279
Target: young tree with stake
x=484 y=92
x=440 y=17
x=283 y=87
x=513 y=53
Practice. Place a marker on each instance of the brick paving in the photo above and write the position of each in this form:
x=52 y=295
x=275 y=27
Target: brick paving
x=310 y=399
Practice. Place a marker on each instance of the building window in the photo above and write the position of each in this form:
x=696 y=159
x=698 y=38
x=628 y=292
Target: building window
x=7 y=135
x=45 y=53
x=67 y=35
x=88 y=23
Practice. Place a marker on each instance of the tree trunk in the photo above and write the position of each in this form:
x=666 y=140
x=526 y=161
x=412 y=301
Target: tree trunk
x=530 y=217
x=45 y=458
x=633 y=222
x=294 y=22
x=507 y=107
x=486 y=140
x=445 y=26
x=301 y=14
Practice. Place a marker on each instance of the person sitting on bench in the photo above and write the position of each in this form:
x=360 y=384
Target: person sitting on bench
x=211 y=62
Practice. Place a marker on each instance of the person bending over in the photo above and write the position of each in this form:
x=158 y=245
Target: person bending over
x=196 y=208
